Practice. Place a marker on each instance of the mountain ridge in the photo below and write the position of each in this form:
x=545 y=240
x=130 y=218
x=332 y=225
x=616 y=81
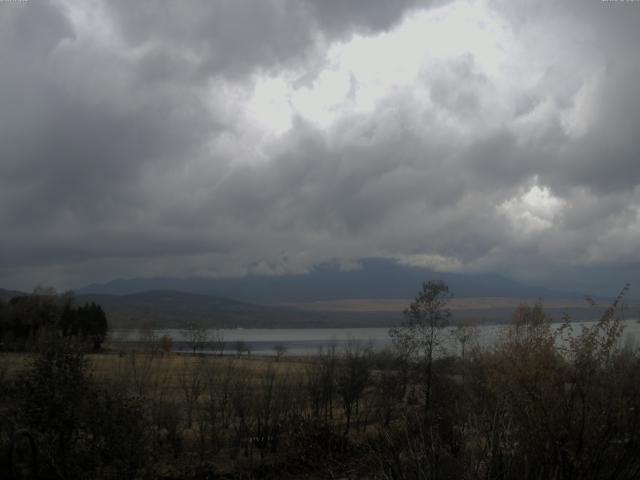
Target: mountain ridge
x=376 y=278
x=175 y=309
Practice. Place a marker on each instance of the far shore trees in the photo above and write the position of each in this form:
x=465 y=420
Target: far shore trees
x=24 y=317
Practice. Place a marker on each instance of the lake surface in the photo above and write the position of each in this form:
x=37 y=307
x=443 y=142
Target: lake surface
x=308 y=341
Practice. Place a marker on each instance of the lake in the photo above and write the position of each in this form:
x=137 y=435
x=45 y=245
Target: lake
x=308 y=341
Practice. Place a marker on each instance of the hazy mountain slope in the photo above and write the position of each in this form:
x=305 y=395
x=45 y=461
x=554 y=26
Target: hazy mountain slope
x=173 y=309
x=376 y=279
x=7 y=294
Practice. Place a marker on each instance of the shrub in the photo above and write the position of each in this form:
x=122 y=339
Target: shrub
x=83 y=430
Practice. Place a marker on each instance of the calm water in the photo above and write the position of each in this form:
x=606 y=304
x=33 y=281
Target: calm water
x=308 y=341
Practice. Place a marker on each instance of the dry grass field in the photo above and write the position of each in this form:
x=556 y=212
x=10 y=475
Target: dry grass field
x=168 y=370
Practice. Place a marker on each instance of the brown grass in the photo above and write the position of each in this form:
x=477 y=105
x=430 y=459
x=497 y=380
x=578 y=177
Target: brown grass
x=113 y=366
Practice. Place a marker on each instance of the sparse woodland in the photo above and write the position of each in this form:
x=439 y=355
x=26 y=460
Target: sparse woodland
x=544 y=402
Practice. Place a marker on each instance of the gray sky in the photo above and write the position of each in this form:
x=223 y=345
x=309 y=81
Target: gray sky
x=224 y=137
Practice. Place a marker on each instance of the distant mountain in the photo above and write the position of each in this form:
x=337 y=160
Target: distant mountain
x=167 y=308
x=7 y=294
x=377 y=278
x=325 y=297
x=172 y=309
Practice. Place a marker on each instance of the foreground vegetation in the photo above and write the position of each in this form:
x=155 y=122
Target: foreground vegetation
x=543 y=403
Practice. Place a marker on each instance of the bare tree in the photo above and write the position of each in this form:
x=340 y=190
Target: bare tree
x=148 y=340
x=272 y=402
x=239 y=346
x=196 y=336
x=353 y=378
x=420 y=335
x=218 y=341
x=280 y=350
x=465 y=332
x=166 y=344
x=321 y=383
x=191 y=379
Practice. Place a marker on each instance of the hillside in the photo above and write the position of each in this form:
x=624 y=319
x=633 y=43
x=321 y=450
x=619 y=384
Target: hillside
x=376 y=278
x=171 y=309
x=7 y=294
x=175 y=309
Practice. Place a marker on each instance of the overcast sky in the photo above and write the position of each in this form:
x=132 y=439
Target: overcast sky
x=224 y=137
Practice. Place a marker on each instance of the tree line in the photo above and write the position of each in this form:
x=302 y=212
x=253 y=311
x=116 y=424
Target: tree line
x=23 y=318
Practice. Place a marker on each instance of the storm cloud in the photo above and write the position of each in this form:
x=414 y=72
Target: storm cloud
x=222 y=138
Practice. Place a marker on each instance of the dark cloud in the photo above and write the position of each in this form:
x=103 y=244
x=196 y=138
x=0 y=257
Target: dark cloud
x=130 y=146
x=343 y=18
x=237 y=37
